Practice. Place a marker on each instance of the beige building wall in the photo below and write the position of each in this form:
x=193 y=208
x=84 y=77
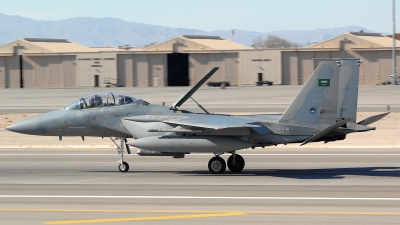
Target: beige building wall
x=290 y=68
x=28 y=73
x=49 y=71
x=376 y=66
x=2 y=72
x=216 y=60
x=201 y=63
x=198 y=66
x=103 y=64
x=385 y=66
x=306 y=66
x=141 y=70
x=267 y=62
x=157 y=70
x=69 y=71
x=12 y=72
x=56 y=75
x=46 y=66
x=41 y=71
x=297 y=66
x=370 y=68
x=232 y=68
x=125 y=70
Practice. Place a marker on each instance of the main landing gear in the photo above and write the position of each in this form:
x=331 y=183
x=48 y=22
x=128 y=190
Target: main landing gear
x=123 y=166
x=217 y=165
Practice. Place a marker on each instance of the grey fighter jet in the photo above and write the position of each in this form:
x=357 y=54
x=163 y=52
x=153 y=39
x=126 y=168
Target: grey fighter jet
x=324 y=110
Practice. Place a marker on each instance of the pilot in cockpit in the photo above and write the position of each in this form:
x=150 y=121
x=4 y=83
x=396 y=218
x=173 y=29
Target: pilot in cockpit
x=91 y=102
x=128 y=100
x=125 y=100
x=95 y=101
x=82 y=103
x=98 y=101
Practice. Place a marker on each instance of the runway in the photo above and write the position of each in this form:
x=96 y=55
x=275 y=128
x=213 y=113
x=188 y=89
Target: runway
x=277 y=186
x=45 y=181
x=242 y=99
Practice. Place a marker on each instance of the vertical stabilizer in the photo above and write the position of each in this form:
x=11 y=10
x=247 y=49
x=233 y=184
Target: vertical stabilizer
x=316 y=103
x=348 y=89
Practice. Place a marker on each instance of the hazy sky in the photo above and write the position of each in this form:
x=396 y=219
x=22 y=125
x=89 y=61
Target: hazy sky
x=209 y=15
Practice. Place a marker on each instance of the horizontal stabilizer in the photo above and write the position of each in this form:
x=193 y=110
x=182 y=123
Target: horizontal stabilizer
x=372 y=119
x=326 y=131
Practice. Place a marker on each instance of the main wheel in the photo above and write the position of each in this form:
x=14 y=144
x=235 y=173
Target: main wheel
x=238 y=165
x=123 y=167
x=217 y=165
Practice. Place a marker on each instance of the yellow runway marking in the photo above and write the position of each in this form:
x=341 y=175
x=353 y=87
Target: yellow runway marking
x=192 y=216
x=109 y=211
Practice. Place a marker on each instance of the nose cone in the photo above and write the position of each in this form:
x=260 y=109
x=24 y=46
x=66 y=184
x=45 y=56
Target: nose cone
x=31 y=125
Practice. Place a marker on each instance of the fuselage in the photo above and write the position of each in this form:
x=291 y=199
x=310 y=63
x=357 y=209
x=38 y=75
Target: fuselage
x=162 y=128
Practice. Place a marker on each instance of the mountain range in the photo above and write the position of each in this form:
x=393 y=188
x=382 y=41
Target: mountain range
x=101 y=32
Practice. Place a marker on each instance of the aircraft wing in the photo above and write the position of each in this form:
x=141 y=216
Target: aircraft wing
x=218 y=123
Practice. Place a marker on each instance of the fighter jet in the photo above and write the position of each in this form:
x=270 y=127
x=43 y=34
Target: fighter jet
x=323 y=111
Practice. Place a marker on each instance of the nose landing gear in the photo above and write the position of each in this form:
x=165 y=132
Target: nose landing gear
x=123 y=166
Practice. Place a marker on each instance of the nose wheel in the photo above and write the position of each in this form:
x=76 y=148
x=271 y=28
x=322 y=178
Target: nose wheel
x=123 y=167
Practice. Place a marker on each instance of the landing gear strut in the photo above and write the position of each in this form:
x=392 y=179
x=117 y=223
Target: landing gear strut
x=123 y=166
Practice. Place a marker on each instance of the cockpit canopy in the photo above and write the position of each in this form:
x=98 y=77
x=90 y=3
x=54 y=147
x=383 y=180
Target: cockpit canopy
x=102 y=99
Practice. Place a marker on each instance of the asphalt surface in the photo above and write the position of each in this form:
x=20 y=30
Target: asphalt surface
x=254 y=99
x=45 y=181
x=278 y=186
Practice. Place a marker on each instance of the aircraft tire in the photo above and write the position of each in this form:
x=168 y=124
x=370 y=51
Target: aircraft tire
x=216 y=165
x=239 y=163
x=123 y=167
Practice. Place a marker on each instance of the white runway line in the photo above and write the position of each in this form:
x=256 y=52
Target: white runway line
x=201 y=197
x=94 y=147
x=205 y=154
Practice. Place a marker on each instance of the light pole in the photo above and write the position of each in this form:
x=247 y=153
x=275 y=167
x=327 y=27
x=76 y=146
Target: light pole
x=394 y=45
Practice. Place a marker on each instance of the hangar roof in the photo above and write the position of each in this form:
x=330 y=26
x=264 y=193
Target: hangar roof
x=359 y=40
x=188 y=43
x=44 y=45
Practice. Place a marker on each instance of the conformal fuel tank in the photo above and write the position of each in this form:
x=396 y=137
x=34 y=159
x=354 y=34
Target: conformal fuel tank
x=190 y=144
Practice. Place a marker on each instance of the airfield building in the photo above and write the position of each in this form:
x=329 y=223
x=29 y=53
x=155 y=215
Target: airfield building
x=182 y=61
